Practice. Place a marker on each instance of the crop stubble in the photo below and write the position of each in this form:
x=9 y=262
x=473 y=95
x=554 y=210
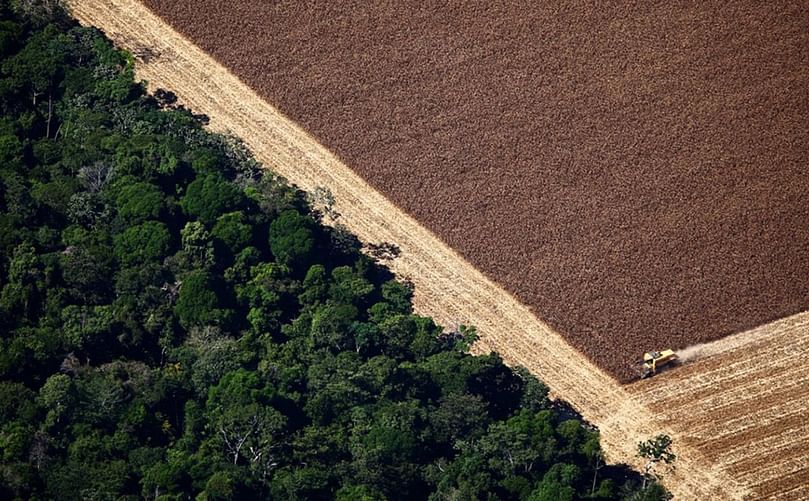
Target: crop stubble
x=450 y=290
x=635 y=172
x=747 y=406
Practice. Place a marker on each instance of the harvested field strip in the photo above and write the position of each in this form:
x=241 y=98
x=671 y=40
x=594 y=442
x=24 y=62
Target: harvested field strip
x=447 y=288
x=800 y=491
x=773 y=357
x=747 y=389
x=788 y=474
x=706 y=375
x=751 y=460
x=745 y=408
x=772 y=424
x=760 y=394
x=767 y=347
x=763 y=464
x=704 y=393
x=782 y=414
x=791 y=488
x=705 y=384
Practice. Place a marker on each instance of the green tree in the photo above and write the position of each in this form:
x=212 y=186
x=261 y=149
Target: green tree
x=18 y=200
x=140 y=244
x=273 y=197
x=291 y=239
x=37 y=69
x=139 y=202
x=241 y=417
x=331 y=326
x=521 y=444
x=358 y=493
x=22 y=294
x=398 y=331
x=88 y=327
x=399 y=296
x=56 y=194
x=101 y=397
x=459 y=416
x=58 y=398
x=197 y=246
x=16 y=402
x=86 y=269
x=233 y=231
x=535 y=393
x=198 y=302
x=218 y=488
x=244 y=261
x=315 y=286
x=385 y=448
x=40 y=11
x=349 y=287
x=655 y=450
x=217 y=355
x=268 y=294
x=209 y=197
x=557 y=484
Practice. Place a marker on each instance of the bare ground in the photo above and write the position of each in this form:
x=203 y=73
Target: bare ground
x=452 y=291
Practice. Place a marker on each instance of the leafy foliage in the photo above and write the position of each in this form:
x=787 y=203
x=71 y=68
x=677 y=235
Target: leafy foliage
x=176 y=322
x=138 y=202
x=656 y=450
x=143 y=243
x=209 y=196
x=291 y=238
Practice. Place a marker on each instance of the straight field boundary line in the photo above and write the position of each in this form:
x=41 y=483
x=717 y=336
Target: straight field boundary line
x=719 y=353
x=447 y=287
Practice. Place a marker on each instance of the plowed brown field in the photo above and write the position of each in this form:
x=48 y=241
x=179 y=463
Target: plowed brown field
x=635 y=172
x=737 y=428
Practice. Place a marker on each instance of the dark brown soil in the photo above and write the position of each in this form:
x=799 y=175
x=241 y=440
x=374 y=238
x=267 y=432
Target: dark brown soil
x=637 y=174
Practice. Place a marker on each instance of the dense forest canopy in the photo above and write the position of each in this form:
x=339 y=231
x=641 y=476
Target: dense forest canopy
x=176 y=322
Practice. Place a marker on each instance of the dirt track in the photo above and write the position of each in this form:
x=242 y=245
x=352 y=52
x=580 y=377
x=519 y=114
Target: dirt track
x=635 y=172
x=506 y=325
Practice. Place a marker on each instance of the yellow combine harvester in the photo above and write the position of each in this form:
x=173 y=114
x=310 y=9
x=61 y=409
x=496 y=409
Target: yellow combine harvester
x=656 y=360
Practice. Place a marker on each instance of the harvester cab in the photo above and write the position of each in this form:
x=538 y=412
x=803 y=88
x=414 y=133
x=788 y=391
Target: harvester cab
x=654 y=361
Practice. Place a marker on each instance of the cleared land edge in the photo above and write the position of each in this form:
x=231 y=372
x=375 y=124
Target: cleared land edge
x=448 y=288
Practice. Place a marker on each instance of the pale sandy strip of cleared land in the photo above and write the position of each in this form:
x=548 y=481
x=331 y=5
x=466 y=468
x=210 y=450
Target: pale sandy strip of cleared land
x=447 y=288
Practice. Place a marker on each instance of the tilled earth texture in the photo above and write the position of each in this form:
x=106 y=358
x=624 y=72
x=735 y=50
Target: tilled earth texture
x=635 y=172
